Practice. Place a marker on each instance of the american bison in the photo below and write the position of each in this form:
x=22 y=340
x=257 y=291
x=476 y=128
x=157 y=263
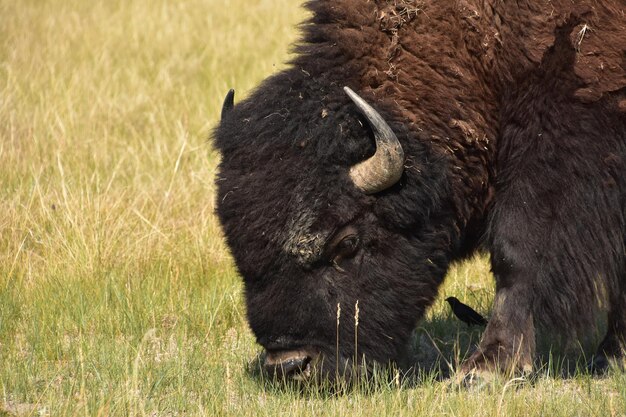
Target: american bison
x=407 y=134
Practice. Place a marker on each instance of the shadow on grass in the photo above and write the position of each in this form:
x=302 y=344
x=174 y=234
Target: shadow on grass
x=421 y=365
x=436 y=350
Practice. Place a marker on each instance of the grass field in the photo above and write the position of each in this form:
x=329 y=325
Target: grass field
x=117 y=293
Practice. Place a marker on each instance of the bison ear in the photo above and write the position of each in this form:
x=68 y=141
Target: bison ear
x=229 y=102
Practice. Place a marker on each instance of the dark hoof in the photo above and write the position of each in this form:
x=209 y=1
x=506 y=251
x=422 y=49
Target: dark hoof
x=598 y=365
x=601 y=364
x=478 y=379
x=472 y=380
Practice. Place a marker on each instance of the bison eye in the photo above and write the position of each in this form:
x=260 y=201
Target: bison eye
x=347 y=247
x=343 y=246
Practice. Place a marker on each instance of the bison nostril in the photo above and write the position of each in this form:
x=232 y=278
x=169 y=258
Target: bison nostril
x=287 y=364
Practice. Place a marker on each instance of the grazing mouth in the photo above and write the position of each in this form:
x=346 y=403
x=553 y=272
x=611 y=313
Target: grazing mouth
x=308 y=364
x=296 y=364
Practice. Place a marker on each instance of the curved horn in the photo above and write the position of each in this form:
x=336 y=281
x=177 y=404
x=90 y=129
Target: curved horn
x=229 y=102
x=385 y=167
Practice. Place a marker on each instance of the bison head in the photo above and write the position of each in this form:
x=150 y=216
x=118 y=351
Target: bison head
x=328 y=205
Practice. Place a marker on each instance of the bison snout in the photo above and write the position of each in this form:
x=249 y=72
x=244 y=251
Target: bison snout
x=295 y=364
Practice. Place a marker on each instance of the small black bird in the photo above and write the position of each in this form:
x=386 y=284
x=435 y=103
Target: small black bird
x=465 y=313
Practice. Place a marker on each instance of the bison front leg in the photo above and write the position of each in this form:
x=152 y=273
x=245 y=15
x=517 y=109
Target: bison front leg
x=508 y=343
x=612 y=349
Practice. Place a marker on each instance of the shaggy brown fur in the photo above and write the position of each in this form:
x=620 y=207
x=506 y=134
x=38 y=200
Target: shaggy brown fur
x=446 y=65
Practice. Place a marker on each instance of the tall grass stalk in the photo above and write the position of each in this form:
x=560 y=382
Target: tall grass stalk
x=356 y=335
x=337 y=351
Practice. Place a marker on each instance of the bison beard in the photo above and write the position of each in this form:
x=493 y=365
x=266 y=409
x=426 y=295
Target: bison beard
x=510 y=120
